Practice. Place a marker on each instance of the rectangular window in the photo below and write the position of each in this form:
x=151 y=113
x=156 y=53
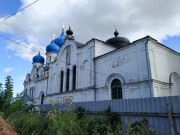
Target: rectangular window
x=67 y=80
x=61 y=84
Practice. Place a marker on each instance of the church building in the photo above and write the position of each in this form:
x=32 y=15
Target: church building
x=102 y=70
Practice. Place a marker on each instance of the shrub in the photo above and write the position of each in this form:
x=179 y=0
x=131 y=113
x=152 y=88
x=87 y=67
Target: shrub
x=138 y=128
x=80 y=111
x=26 y=123
x=63 y=123
x=105 y=123
x=68 y=122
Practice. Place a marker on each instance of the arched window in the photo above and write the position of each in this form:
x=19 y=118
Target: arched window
x=42 y=99
x=67 y=80
x=30 y=92
x=175 y=84
x=68 y=55
x=74 y=78
x=61 y=83
x=116 y=89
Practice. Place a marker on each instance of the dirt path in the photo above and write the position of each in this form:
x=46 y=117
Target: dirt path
x=6 y=129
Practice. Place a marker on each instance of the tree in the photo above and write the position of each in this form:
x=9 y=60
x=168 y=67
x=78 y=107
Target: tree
x=1 y=88
x=6 y=95
x=1 y=96
x=17 y=104
x=8 y=91
x=9 y=104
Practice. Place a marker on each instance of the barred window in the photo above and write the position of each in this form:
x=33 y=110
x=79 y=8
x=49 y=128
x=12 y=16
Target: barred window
x=61 y=83
x=67 y=80
x=42 y=99
x=74 y=78
x=116 y=89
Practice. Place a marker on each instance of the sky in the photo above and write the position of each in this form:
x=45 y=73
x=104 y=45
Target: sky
x=34 y=27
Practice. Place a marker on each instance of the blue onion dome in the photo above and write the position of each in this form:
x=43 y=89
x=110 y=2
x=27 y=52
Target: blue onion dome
x=52 y=48
x=60 y=40
x=38 y=59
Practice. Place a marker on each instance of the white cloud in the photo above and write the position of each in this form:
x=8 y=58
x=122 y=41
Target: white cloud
x=26 y=50
x=91 y=18
x=7 y=70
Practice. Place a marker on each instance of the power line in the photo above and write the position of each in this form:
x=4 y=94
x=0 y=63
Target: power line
x=25 y=45
x=18 y=43
x=85 y=68
x=14 y=15
x=18 y=11
x=44 y=54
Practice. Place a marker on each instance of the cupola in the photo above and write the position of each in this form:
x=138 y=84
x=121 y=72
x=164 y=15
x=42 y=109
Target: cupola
x=38 y=60
x=52 y=48
x=51 y=52
x=60 y=40
x=69 y=33
x=118 y=42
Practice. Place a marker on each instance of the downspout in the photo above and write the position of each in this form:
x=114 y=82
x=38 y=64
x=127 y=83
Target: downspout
x=47 y=86
x=148 y=67
x=94 y=73
x=94 y=81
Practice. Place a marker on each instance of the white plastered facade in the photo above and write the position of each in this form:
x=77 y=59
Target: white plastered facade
x=145 y=68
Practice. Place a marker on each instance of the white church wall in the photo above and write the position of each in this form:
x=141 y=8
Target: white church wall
x=102 y=94
x=137 y=91
x=50 y=79
x=40 y=87
x=175 y=89
x=53 y=79
x=82 y=58
x=101 y=48
x=33 y=74
x=61 y=60
x=28 y=87
x=50 y=57
x=128 y=62
x=86 y=66
x=163 y=63
x=75 y=60
x=60 y=65
x=68 y=97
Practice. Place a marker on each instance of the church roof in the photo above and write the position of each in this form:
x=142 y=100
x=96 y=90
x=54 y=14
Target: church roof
x=147 y=38
x=118 y=42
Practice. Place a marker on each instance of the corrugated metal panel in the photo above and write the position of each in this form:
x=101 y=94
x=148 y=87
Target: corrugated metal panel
x=154 y=109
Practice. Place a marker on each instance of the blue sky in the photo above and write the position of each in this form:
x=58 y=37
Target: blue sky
x=11 y=64
x=9 y=7
x=89 y=19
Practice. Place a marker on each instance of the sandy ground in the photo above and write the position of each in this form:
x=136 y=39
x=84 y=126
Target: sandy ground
x=6 y=129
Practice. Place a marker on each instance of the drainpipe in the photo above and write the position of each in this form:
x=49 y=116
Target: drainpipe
x=47 y=86
x=94 y=73
x=148 y=67
x=94 y=81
